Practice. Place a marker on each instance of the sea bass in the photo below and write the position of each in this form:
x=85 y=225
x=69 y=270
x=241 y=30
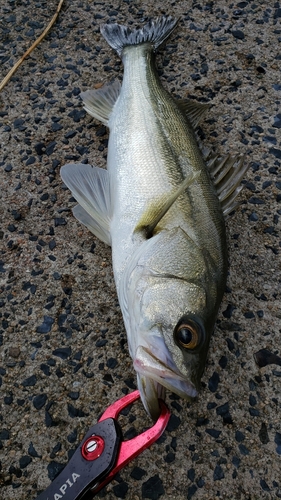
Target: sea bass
x=161 y=208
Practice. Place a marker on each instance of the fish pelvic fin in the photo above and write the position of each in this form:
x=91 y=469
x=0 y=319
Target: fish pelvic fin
x=156 y=212
x=227 y=173
x=90 y=187
x=99 y=103
x=155 y=32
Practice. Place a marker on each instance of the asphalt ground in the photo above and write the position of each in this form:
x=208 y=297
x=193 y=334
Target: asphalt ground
x=64 y=355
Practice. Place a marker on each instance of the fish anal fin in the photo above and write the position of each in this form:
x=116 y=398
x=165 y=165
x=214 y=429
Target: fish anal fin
x=90 y=187
x=99 y=103
x=227 y=172
x=194 y=110
x=156 y=211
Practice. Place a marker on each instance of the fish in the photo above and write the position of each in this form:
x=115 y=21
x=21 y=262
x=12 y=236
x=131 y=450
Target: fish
x=161 y=206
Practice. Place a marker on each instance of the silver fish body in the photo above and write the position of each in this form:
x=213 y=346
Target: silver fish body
x=158 y=208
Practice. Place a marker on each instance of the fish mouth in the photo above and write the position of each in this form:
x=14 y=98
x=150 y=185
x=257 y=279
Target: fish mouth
x=157 y=372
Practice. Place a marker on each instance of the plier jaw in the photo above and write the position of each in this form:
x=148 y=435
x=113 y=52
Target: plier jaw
x=102 y=453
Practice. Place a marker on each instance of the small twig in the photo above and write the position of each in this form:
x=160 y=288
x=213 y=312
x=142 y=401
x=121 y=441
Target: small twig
x=18 y=63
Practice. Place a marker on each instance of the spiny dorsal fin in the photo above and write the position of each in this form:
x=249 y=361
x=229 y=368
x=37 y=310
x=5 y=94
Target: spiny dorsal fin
x=156 y=212
x=194 y=110
x=90 y=187
x=227 y=173
x=99 y=103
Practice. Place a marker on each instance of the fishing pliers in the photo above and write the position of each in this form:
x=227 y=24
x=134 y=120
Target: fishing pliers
x=102 y=453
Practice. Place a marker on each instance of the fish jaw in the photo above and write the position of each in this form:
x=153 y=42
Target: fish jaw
x=156 y=371
x=150 y=393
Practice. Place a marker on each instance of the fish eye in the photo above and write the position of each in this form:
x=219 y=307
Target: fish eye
x=188 y=334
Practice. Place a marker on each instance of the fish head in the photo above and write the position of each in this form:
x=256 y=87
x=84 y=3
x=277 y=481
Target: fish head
x=171 y=316
x=172 y=343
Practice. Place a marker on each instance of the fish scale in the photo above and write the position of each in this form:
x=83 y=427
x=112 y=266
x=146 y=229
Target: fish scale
x=151 y=150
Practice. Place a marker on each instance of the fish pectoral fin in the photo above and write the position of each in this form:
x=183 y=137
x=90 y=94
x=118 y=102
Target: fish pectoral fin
x=91 y=224
x=227 y=173
x=90 y=187
x=194 y=110
x=157 y=210
x=99 y=103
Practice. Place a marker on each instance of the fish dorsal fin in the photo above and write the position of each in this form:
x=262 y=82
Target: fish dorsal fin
x=157 y=210
x=194 y=110
x=227 y=173
x=99 y=103
x=90 y=187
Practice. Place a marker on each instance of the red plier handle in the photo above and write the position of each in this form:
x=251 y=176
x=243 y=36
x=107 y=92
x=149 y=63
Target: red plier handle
x=132 y=448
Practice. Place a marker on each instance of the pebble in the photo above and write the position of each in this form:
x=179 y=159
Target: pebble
x=191 y=474
x=62 y=352
x=74 y=395
x=138 y=473
x=263 y=434
x=25 y=461
x=169 y=458
x=277 y=441
x=191 y=491
x=30 y=381
x=173 y=423
x=72 y=437
x=54 y=468
x=46 y=369
x=265 y=357
x=218 y=473
x=236 y=461
x=32 y=452
x=214 y=382
x=214 y=433
x=238 y=34
x=14 y=352
x=39 y=401
x=120 y=490
x=243 y=449
x=46 y=326
x=75 y=412
x=223 y=411
x=111 y=363
x=153 y=488
x=223 y=362
x=4 y=434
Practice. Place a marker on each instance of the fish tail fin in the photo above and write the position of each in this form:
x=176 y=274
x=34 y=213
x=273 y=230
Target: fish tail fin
x=155 y=31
